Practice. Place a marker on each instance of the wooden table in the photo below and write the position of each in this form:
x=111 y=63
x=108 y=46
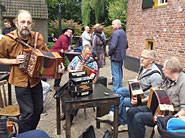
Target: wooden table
x=97 y=98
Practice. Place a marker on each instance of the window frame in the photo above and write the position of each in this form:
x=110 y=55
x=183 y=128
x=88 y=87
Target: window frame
x=157 y=4
x=147 y=43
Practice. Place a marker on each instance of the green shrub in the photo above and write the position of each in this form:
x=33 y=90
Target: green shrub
x=66 y=63
x=108 y=31
x=54 y=27
x=50 y=44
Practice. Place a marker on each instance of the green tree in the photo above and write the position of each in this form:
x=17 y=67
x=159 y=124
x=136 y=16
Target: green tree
x=85 y=9
x=93 y=11
x=118 y=10
x=70 y=9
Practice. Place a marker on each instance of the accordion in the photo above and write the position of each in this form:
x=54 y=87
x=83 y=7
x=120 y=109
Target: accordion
x=38 y=62
x=135 y=90
x=159 y=103
x=80 y=84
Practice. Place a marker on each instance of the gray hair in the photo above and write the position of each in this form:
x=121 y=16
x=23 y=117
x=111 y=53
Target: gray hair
x=173 y=64
x=87 y=46
x=151 y=54
x=19 y=12
x=87 y=27
x=117 y=21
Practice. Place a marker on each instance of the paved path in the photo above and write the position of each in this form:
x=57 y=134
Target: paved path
x=48 y=122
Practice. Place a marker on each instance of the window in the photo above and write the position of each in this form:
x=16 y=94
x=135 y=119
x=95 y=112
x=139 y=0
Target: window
x=147 y=4
x=150 y=44
x=160 y=3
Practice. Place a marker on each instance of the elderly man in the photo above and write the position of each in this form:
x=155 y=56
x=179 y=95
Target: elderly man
x=117 y=52
x=149 y=76
x=174 y=85
x=28 y=90
x=77 y=65
x=86 y=37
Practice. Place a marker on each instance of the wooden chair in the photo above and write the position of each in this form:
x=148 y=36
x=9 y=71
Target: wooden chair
x=5 y=109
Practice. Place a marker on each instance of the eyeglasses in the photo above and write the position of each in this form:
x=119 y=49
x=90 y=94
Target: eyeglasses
x=70 y=32
x=145 y=58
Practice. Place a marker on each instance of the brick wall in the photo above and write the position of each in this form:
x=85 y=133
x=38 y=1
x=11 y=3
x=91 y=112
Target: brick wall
x=165 y=25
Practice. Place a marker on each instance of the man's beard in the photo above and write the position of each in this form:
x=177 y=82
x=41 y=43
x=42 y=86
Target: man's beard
x=24 y=32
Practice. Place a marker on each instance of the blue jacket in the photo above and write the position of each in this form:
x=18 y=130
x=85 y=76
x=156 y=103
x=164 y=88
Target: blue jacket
x=118 y=45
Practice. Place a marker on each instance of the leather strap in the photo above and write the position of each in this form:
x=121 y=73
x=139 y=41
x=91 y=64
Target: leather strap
x=36 y=39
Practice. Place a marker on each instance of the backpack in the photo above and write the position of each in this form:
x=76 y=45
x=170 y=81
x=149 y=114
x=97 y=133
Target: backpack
x=168 y=126
x=89 y=133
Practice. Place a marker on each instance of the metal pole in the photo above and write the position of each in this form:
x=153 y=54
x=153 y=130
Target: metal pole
x=60 y=25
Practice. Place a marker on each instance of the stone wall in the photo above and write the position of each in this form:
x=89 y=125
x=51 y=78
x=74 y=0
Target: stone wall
x=41 y=26
x=165 y=25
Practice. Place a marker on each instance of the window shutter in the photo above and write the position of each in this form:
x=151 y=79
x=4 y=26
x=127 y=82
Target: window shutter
x=147 y=4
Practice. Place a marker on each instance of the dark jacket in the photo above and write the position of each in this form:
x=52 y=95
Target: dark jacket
x=118 y=45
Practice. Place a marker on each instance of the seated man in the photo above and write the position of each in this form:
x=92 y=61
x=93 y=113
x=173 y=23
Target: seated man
x=77 y=65
x=149 y=76
x=174 y=85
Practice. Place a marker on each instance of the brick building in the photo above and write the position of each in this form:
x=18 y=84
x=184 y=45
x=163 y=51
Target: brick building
x=157 y=25
x=37 y=8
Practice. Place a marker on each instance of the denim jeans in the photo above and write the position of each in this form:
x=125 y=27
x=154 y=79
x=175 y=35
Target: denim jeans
x=30 y=101
x=124 y=102
x=138 y=118
x=117 y=74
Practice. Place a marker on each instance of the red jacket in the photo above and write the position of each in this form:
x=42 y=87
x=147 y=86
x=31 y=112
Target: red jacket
x=62 y=43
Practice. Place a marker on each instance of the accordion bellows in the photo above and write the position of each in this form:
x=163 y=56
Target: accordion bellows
x=159 y=103
x=41 y=63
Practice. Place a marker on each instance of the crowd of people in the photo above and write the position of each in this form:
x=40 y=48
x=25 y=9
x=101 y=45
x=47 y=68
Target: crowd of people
x=29 y=90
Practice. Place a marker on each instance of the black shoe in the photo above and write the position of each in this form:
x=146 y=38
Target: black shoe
x=110 y=83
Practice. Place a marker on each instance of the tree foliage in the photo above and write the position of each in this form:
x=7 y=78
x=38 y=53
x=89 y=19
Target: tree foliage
x=93 y=9
x=118 y=10
x=70 y=9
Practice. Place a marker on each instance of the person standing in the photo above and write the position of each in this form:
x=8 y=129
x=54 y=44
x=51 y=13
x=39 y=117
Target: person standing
x=86 y=37
x=8 y=27
x=98 y=44
x=117 y=52
x=29 y=92
x=61 y=46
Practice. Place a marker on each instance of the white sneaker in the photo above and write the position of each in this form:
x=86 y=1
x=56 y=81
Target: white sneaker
x=105 y=118
x=111 y=114
x=122 y=128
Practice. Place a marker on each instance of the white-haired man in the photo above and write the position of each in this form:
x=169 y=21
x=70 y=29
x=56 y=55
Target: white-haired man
x=174 y=85
x=149 y=76
x=86 y=37
x=117 y=52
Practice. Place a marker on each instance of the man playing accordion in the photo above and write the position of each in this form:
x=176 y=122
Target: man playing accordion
x=174 y=85
x=149 y=76
x=28 y=89
x=77 y=64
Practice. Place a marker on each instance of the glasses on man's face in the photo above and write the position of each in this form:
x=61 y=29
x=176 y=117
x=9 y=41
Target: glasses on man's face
x=70 y=32
x=88 y=54
x=145 y=58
